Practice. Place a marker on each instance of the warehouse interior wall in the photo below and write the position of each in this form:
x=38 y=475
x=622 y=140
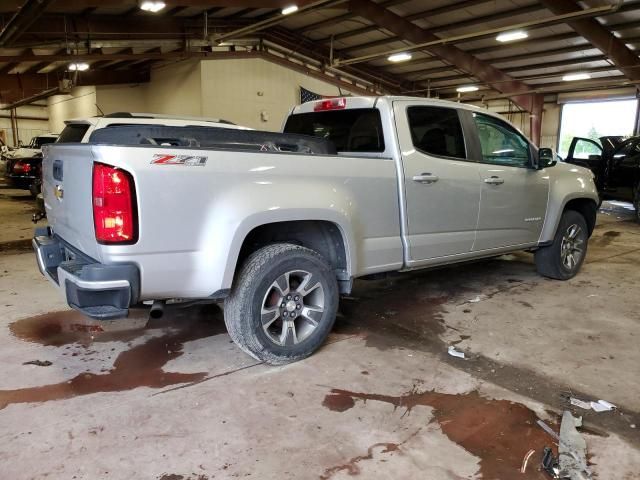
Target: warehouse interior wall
x=254 y=92
x=32 y=120
x=250 y=92
x=79 y=103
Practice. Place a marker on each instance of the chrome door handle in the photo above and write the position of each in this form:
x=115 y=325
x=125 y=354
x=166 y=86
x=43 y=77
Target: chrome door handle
x=425 y=178
x=494 y=180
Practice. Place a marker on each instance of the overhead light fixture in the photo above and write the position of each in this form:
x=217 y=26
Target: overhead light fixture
x=467 y=89
x=78 y=67
x=153 y=6
x=399 y=57
x=289 y=9
x=570 y=77
x=512 y=36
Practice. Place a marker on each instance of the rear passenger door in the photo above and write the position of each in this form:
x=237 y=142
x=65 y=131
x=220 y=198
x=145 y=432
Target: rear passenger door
x=514 y=194
x=441 y=188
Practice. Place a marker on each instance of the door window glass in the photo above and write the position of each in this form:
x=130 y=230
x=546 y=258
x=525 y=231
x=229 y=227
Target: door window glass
x=501 y=144
x=584 y=148
x=437 y=131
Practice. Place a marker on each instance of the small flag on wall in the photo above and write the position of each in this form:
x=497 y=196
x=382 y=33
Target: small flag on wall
x=309 y=96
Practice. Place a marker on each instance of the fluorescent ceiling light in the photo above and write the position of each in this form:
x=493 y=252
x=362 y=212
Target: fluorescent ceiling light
x=570 y=77
x=289 y=9
x=153 y=6
x=512 y=35
x=399 y=57
x=466 y=89
x=78 y=67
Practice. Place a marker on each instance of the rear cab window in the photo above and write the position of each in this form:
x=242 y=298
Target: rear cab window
x=73 y=133
x=350 y=130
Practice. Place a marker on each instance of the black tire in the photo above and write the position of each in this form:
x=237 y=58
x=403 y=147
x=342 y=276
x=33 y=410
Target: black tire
x=254 y=288
x=549 y=259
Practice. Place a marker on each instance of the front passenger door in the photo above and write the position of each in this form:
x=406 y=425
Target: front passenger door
x=514 y=195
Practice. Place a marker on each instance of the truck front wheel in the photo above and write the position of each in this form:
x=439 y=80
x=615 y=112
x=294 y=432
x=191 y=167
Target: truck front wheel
x=563 y=258
x=283 y=303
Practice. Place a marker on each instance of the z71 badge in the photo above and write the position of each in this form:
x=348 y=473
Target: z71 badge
x=185 y=160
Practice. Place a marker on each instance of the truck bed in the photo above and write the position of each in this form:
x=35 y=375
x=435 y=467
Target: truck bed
x=212 y=137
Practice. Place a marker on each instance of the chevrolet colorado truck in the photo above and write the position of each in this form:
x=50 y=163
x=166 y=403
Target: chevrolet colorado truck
x=278 y=225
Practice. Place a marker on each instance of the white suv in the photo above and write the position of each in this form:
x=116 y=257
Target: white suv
x=79 y=130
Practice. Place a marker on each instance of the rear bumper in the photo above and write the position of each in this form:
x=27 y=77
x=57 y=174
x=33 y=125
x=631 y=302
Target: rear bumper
x=23 y=182
x=98 y=291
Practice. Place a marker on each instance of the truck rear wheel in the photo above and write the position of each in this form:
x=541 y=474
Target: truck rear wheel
x=564 y=257
x=283 y=303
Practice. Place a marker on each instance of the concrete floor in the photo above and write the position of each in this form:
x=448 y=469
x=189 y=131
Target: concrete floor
x=16 y=208
x=176 y=400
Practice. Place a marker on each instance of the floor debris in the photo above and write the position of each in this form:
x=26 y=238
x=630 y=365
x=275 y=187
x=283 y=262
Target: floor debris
x=476 y=299
x=38 y=363
x=576 y=402
x=523 y=469
x=455 y=353
x=602 y=406
x=572 y=451
x=548 y=429
x=599 y=406
x=550 y=463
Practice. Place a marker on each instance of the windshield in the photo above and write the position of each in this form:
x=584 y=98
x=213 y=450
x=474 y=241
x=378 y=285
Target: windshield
x=37 y=142
x=73 y=133
x=353 y=130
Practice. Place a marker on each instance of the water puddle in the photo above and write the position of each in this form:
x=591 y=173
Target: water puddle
x=140 y=366
x=69 y=326
x=498 y=432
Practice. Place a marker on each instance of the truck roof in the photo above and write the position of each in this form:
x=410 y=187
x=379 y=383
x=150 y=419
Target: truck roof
x=371 y=101
x=154 y=117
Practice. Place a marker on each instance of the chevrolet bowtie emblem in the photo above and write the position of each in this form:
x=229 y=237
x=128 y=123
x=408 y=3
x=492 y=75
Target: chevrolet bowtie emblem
x=58 y=192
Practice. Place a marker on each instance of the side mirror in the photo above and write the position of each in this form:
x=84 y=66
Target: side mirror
x=546 y=158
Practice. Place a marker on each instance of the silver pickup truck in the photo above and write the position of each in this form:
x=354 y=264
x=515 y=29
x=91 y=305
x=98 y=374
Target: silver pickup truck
x=278 y=225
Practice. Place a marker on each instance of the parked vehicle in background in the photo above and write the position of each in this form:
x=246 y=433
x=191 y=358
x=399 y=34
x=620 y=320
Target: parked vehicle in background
x=615 y=161
x=79 y=131
x=277 y=225
x=23 y=165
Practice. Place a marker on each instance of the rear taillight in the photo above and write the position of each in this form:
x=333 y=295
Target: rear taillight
x=114 y=205
x=21 y=168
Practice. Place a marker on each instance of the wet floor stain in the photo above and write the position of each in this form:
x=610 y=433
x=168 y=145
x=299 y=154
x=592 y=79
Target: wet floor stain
x=498 y=432
x=140 y=366
x=70 y=326
x=352 y=468
x=175 y=476
x=607 y=238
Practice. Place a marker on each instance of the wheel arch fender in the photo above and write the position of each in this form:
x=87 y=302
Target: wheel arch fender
x=569 y=186
x=585 y=205
x=288 y=217
x=243 y=210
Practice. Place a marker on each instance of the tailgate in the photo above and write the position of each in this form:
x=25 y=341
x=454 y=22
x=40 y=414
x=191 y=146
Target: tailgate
x=67 y=185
